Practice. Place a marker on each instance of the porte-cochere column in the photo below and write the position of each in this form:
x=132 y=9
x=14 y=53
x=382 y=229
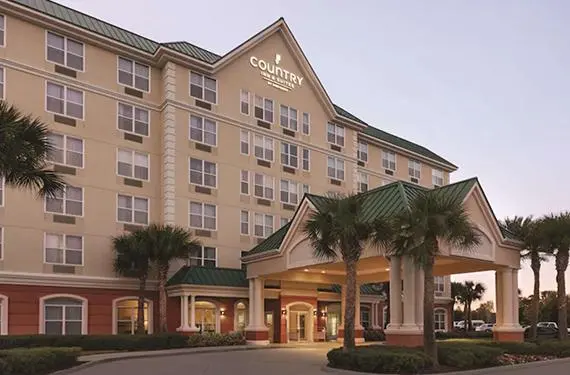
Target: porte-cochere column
x=256 y=332
x=507 y=327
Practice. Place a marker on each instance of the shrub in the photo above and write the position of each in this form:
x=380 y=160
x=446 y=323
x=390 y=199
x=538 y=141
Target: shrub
x=96 y=342
x=374 y=335
x=463 y=335
x=466 y=355
x=380 y=359
x=216 y=339
x=37 y=361
x=560 y=349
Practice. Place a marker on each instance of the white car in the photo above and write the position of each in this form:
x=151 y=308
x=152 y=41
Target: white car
x=474 y=324
x=487 y=327
x=549 y=325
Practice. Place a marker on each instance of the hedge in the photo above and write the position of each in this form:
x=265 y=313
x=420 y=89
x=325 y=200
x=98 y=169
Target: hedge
x=463 y=335
x=37 y=361
x=379 y=359
x=374 y=335
x=216 y=339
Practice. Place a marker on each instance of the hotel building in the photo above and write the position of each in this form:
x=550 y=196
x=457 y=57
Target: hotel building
x=238 y=148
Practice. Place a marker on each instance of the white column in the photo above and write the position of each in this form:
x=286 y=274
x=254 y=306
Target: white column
x=357 y=323
x=507 y=292
x=251 y=304
x=258 y=306
x=499 y=297
x=409 y=294
x=515 y=289
x=183 y=314
x=192 y=312
x=395 y=293
x=419 y=279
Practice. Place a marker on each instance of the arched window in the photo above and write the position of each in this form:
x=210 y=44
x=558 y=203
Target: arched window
x=206 y=316
x=63 y=315
x=3 y=315
x=241 y=316
x=440 y=319
x=125 y=313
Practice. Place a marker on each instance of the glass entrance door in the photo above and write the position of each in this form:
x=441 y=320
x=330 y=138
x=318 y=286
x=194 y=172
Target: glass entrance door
x=302 y=326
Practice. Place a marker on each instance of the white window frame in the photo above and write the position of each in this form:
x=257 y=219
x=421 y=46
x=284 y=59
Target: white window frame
x=242 y=102
x=3 y=82
x=242 y=223
x=414 y=169
x=203 y=173
x=134 y=65
x=287 y=157
x=363 y=179
x=202 y=257
x=291 y=123
x=283 y=221
x=265 y=141
x=292 y=191
x=306 y=159
x=133 y=119
x=3 y=40
x=203 y=87
x=264 y=101
x=389 y=160
x=243 y=181
x=268 y=182
x=263 y=219
x=203 y=215
x=338 y=133
x=132 y=209
x=65 y=100
x=203 y=130
x=362 y=152
x=437 y=174
x=307 y=124
x=84 y=311
x=2 y=234
x=133 y=152
x=244 y=140
x=302 y=189
x=65 y=150
x=64 y=199
x=64 y=249
x=65 y=51
x=4 y=306
x=444 y=312
x=2 y=192
x=116 y=301
x=439 y=288
x=338 y=162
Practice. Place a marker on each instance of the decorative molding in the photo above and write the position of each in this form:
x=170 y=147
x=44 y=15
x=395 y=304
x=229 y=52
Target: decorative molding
x=169 y=145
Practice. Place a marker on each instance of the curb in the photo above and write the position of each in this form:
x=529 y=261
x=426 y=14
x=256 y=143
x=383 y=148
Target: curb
x=486 y=371
x=162 y=353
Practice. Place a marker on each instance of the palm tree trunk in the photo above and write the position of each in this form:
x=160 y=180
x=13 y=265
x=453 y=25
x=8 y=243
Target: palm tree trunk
x=349 y=308
x=465 y=315
x=140 y=306
x=535 y=265
x=469 y=323
x=561 y=266
x=162 y=275
x=430 y=347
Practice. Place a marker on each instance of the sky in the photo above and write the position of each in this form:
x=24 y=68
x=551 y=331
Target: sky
x=485 y=84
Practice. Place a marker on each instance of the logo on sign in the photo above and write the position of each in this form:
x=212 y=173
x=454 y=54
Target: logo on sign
x=276 y=75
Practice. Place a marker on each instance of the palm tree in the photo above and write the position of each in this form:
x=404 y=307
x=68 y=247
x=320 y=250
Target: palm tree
x=132 y=259
x=338 y=230
x=457 y=293
x=24 y=148
x=432 y=217
x=527 y=230
x=166 y=243
x=470 y=292
x=556 y=237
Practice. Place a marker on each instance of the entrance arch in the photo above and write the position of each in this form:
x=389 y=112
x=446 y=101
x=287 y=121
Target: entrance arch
x=300 y=322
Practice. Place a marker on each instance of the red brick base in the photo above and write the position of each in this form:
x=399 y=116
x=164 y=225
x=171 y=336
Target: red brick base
x=358 y=334
x=404 y=340
x=257 y=335
x=508 y=336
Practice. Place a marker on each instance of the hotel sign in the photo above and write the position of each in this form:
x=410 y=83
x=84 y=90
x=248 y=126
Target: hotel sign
x=275 y=75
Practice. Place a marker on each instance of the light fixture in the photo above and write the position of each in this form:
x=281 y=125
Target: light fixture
x=386 y=269
x=306 y=270
x=314 y=312
x=323 y=271
x=222 y=311
x=283 y=311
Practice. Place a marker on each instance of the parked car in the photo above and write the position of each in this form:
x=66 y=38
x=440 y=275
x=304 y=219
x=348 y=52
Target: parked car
x=487 y=327
x=549 y=325
x=543 y=332
x=474 y=324
x=456 y=323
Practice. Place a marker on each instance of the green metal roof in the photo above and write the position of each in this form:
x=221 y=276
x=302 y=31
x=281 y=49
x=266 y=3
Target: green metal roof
x=194 y=51
x=271 y=242
x=369 y=289
x=194 y=275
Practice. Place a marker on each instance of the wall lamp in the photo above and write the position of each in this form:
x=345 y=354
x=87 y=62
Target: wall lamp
x=283 y=311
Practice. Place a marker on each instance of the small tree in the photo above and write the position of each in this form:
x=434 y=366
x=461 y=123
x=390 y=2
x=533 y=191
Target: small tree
x=469 y=293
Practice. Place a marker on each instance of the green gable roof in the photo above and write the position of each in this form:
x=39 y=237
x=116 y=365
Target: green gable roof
x=368 y=289
x=209 y=276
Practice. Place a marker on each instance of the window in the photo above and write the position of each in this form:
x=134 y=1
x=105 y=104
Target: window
x=63 y=316
x=335 y=134
x=414 y=168
x=203 y=88
x=132 y=210
x=362 y=151
x=263 y=109
x=133 y=119
x=305 y=189
x=362 y=182
x=203 y=130
x=63 y=100
x=283 y=221
x=244 y=182
x=3 y=315
x=335 y=168
x=134 y=74
x=288 y=117
x=306 y=123
x=2 y=83
x=365 y=317
x=241 y=317
x=244 y=222
x=126 y=313
x=389 y=160
x=1 y=254
x=203 y=216
x=244 y=102
x=439 y=316
x=263 y=147
x=244 y=142
x=2 y=31
x=263 y=186
x=2 y=189
x=289 y=155
x=203 y=256
x=64 y=51
x=439 y=285
x=63 y=249
x=133 y=164
x=66 y=150
x=289 y=192
x=263 y=225
x=66 y=202
x=437 y=177
x=306 y=159
x=203 y=173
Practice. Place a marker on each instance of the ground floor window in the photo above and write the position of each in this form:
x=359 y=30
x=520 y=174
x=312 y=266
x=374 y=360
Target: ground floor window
x=205 y=316
x=365 y=317
x=126 y=314
x=439 y=316
x=241 y=315
x=3 y=315
x=63 y=316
